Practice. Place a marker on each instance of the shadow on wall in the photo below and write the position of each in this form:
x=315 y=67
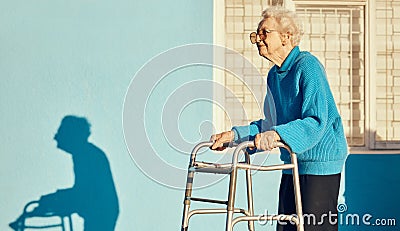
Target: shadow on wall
x=93 y=195
x=372 y=192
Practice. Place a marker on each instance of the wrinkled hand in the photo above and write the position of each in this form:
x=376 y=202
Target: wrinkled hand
x=267 y=140
x=220 y=139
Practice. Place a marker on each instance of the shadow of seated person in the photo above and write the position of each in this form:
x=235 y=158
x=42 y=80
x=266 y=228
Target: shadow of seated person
x=93 y=195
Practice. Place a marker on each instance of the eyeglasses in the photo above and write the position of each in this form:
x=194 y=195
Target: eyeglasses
x=261 y=37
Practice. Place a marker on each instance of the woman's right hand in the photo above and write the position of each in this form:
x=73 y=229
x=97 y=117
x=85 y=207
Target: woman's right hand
x=220 y=139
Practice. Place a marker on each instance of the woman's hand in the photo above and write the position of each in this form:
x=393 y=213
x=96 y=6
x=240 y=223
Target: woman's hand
x=267 y=140
x=220 y=139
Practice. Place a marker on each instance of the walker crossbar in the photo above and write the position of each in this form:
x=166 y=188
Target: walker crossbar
x=232 y=169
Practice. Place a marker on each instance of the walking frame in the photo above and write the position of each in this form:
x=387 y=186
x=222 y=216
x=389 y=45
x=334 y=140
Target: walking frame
x=65 y=219
x=232 y=170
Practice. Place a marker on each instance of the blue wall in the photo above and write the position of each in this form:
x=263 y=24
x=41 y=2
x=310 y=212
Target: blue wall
x=79 y=57
x=372 y=191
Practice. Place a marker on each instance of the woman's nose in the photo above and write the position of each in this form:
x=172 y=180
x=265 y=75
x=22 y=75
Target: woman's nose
x=258 y=38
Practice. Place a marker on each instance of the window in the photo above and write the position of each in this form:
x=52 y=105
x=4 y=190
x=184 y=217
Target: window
x=386 y=59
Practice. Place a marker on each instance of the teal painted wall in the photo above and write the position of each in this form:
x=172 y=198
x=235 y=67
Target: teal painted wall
x=371 y=193
x=79 y=57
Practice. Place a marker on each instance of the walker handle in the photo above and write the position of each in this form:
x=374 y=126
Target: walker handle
x=278 y=144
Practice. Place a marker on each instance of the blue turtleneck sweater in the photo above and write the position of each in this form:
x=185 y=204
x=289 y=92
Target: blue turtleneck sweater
x=300 y=107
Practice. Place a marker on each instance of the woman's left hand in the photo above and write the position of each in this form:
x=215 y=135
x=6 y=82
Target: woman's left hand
x=266 y=140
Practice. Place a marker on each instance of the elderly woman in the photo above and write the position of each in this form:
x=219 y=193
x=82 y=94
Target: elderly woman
x=304 y=116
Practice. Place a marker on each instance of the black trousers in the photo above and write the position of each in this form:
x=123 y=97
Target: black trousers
x=319 y=196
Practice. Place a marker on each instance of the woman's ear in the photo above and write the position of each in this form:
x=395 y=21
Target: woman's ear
x=285 y=39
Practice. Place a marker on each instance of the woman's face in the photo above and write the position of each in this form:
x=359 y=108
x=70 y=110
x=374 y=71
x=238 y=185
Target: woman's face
x=270 y=43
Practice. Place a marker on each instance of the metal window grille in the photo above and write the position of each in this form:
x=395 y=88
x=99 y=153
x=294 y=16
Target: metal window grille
x=241 y=18
x=387 y=45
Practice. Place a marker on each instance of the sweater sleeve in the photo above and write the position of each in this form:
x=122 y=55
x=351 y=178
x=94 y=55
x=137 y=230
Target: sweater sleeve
x=248 y=132
x=304 y=133
x=245 y=133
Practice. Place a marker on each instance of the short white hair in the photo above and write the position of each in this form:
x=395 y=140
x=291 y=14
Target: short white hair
x=288 y=22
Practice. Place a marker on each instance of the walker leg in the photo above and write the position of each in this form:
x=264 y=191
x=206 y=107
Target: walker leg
x=186 y=202
x=231 y=199
x=249 y=194
x=297 y=193
x=229 y=218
